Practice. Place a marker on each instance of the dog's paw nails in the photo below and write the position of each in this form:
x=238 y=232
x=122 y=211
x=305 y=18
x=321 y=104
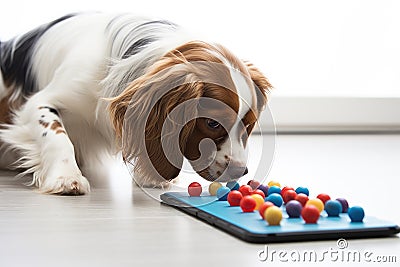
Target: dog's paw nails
x=74 y=189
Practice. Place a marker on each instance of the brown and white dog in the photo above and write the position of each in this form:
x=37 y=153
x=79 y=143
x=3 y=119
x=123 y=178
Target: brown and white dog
x=89 y=84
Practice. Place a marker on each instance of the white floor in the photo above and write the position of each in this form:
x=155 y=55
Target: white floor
x=119 y=225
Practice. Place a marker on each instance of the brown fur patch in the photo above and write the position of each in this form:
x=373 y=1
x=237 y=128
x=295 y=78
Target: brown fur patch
x=43 y=123
x=262 y=84
x=60 y=131
x=5 y=114
x=55 y=125
x=8 y=104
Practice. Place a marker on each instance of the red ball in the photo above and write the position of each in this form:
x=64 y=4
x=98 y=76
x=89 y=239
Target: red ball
x=248 y=204
x=194 y=189
x=324 y=197
x=286 y=188
x=289 y=195
x=310 y=214
x=264 y=207
x=258 y=192
x=246 y=190
x=302 y=198
x=234 y=198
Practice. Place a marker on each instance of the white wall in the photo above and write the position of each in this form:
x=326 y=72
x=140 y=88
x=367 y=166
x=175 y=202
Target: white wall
x=307 y=48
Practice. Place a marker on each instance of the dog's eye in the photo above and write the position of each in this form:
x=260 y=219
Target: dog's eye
x=213 y=124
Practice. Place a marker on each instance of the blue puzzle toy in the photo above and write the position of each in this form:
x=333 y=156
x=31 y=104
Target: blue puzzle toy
x=250 y=227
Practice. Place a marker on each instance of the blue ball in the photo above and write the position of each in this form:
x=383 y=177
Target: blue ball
x=275 y=198
x=356 y=214
x=263 y=188
x=333 y=208
x=274 y=190
x=303 y=190
x=222 y=193
x=294 y=208
x=233 y=185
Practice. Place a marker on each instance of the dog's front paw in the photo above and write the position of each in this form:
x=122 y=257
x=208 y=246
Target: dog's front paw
x=66 y=185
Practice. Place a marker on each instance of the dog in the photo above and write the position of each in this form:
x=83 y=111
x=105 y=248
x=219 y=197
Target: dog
x=86 y=85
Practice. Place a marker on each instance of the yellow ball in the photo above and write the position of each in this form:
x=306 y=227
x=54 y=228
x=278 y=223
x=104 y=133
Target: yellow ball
x=273 y=215
x=213 y=187
x=274 y=183
x=259 y=200
x=317 y=203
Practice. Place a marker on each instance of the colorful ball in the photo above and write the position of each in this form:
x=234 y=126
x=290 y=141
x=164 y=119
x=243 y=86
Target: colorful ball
x=302 y=198
x=274 y=183
x=222 y=193
x=258 y=192
x=317 y=203
x=259 y=200
x=310 y=214
x=294 y=208
x=289 y=195
x=265 y=206
x=356 y=214
x=234 y=198
x=275 y=198
x=213 y=187
x=324 y=197
x=273 y=215
x=274 y=189
x=254 y=184
x=233 y=185
x=246 y=190
x=302 y=190
x=333 y=208
x=194 y=189
x=248 y=204
x=345 y=204
x=286 y=188
x=263 y=188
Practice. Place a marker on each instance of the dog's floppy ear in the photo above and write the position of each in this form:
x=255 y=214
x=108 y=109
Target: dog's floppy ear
x=262 y=84
x=144 y=108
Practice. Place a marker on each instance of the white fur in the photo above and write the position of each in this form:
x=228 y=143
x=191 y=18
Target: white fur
x=50 y=156
x=78 y=63
x=247 y=96
x=233 y=147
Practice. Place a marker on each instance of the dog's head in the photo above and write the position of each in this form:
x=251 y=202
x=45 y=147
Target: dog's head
x=198 y=101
